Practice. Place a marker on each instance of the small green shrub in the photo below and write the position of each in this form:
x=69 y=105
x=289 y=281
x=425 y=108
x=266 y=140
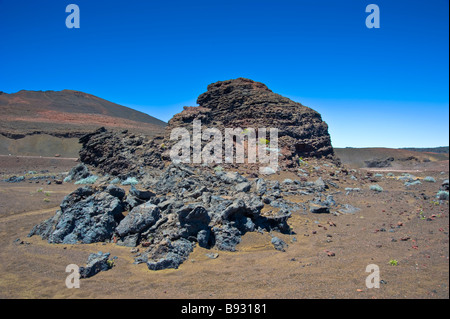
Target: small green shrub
x=130 y=181
x=376 y=188
x=429 y=179
x=88 y=180
x=67 y=179
x=218 y=168
x=407 y=184
x=393 y=262
x=115 y=181
x=110 y=263
x=442 y=195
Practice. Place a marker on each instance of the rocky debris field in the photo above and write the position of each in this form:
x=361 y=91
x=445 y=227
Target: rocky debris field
x=310 y=223
x=179 y=209
x=167 y=214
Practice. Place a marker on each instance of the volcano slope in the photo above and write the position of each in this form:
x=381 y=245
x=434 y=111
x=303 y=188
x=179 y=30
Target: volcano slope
x=45 y=123
x=307 y=231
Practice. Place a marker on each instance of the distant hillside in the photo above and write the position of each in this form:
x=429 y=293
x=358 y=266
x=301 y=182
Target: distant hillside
x=68 y=113
x=391 y=157
x=439 y=150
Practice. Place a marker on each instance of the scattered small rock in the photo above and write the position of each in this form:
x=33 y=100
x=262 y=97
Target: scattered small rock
x=279 y=244
x=212 y=255
x=96 y=263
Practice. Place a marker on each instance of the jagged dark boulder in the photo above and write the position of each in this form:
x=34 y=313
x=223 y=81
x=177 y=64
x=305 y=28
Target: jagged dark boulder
x=138 y=220
x=115 y=191
x=379 y=163
x=96 y=263
x=279 y=244
x=172 y=256
x=78 y=172
x=84 y=217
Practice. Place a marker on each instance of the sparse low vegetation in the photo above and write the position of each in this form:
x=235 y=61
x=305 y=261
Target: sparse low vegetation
x=130 y=181
x=442 y=195
x=393 y=262
x=429 y=179
x=88 y=180
x=376 y=188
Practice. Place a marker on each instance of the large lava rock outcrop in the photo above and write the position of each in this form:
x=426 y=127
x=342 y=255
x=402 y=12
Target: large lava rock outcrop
x=239 y=103
x=243 y=103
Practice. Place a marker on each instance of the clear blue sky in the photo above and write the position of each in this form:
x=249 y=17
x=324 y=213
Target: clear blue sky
x=374 y=87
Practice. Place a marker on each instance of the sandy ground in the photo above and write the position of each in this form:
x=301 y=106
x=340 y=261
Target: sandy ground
x=389 y=226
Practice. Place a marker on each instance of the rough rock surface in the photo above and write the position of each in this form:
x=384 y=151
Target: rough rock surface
x=379 y=163
x=279 y=244
x=120 y=154
x=185 y=207
x=189 y=206
x=243 y=103
x=239 y=103
x=96 y=263
x=78 y=172
x=139 y=219
x=85 y=216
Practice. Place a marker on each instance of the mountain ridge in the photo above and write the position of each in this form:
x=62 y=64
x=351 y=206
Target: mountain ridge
x=68 y=113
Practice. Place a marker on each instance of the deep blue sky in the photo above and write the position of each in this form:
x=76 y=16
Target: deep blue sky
x=374 y=87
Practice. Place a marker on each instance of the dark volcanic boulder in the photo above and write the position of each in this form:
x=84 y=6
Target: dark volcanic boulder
x=139 y=219
x=96 y=263
x=78 y=172
x=173 y=255
x=141 y=194
x=116 y=191
x=193 y=218
x=279 y=244
x=379 y=163
x=84 y=217
x=226 y=237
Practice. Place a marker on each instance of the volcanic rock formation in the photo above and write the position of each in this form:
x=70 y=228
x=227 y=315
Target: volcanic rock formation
x=239 y=103
x=178 y=205
x=243 y=103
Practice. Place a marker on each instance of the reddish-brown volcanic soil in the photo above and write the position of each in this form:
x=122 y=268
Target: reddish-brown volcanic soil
x=68 y=113
x=407 y=225
x=18 y=165
x=403 y=159
x=81 y=119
